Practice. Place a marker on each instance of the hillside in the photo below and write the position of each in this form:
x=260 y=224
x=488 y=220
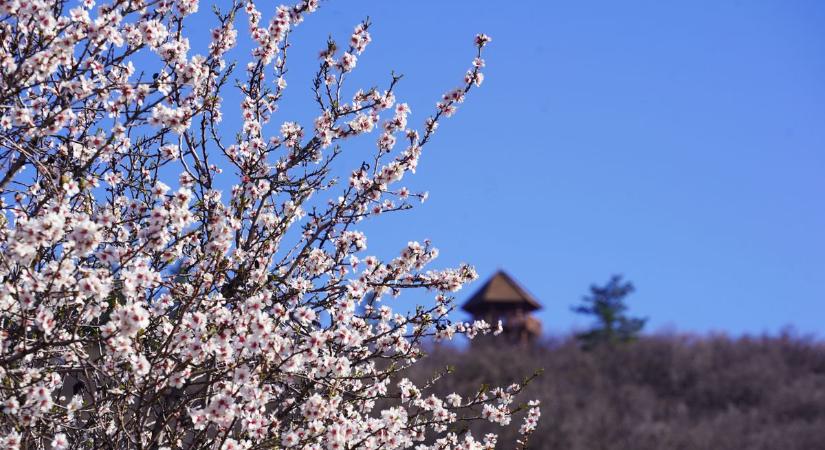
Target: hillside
x=661 y=392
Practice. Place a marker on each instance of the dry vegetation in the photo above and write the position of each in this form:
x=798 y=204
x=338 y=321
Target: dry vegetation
x=660 y=392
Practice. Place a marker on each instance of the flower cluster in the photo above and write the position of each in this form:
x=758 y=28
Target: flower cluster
x=532 y=419
x=145 y=306
x=176 y=119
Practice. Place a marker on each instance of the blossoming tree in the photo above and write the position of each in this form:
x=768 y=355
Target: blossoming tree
x=142 y=307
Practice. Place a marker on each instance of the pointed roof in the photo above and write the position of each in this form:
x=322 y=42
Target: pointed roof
x=503 y=291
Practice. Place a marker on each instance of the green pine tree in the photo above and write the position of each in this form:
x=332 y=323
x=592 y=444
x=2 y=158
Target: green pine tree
x=606 y=303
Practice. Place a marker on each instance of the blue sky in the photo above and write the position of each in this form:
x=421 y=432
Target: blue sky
x=681 y=145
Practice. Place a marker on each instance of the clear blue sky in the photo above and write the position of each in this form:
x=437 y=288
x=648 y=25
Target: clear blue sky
x=682 y=145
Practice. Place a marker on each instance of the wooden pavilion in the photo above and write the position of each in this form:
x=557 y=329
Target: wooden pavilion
x=502 y=298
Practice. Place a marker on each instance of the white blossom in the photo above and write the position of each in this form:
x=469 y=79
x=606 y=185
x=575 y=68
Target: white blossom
x=146 y=303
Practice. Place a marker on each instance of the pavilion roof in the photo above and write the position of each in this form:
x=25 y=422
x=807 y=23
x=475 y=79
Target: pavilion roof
x=501 y=291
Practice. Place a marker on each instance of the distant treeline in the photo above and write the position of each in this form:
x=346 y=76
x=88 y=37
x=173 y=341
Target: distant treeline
x=670 y=392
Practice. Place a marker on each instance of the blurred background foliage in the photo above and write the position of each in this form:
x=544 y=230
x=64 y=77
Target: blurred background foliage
x=662 y=391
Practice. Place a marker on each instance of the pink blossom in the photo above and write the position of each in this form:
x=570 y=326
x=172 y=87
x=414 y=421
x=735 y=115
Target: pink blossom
x=139 y=290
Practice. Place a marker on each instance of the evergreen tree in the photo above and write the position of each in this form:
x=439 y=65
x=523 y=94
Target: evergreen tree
x=606 y=303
